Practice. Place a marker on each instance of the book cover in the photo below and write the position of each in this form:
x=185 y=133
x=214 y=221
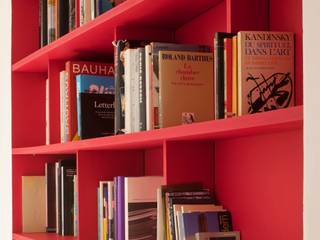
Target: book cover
x=156 y=47
x=33 y=204
x=186 y=87
x=219 y=73
x=50 y=176
x=74 y=68
x=266 y=71
x=141 y=207
x=194 y=222
x=95 y=106
x=119 y=48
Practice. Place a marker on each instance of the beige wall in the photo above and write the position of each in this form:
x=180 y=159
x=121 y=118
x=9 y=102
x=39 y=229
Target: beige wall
x=5 y=122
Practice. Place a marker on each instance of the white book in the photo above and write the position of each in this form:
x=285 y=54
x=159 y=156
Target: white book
x=135 y=106
x=128 y=56
x=148 y=73
x=63 y=130
x=140 y=201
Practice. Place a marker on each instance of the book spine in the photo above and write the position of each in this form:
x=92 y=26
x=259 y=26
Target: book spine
x=93 y=9
x=155 y=91
x=77 y=13
x=76 y=208
x=78 y=79
x=228 y=77
x=234 y=76
x=62 y=19
x=87 y=11
x=120 y=209
x=134 y=89
x=72 y=15
x=110 y=210
x=69 y=102
x=51 y=20
x=82 y=12
x=119 y=88
x=142 y=90
x=149 y=87
x=51 y=197
x=127 y=90
x=43 y=23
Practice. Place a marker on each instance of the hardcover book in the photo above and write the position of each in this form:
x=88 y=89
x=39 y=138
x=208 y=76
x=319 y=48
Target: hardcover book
x=74 y=68
x=95 y=106
x=33 y=204
x=50 y=196
x=141 y=207
x=266 y=71
x=186 y=87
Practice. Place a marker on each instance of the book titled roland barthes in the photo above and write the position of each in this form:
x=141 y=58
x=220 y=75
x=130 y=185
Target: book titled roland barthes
x=186 y=87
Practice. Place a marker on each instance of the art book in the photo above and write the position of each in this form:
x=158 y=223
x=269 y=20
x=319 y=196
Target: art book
x=266 y=71
x=186 y=87
x=74 y=68
x=95 y=106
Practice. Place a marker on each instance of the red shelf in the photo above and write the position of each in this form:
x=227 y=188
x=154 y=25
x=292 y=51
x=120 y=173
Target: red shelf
x=84 y=43
x=41 y=236
x=268 y=122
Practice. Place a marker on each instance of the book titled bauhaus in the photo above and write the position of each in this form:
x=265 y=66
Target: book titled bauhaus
x=186 y=87
x=95 y=106
x=266 y=71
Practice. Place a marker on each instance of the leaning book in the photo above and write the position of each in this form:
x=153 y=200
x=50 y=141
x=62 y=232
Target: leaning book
x=95 y=106
x=266 y=71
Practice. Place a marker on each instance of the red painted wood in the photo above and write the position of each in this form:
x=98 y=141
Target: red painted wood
x=274 y=121
x=96 y=36
x=189 y=161
x=202 y=28
x=28 y=114
x=25 y=166
x=259 y=179
x=41 y=236
x=93 y=166
x=54 y=69
x=287 y=16
x=153 y=161
x=25 y=28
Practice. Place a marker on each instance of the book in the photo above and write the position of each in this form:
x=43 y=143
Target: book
x=74 y=68
x=95 y=106
x=43 y=23
x=72 y=15
x=228 y=86
x=110 y=210
x=217 y=235
x=142 y=89
x=119 y=208
x=119 y=48
x=58 y=197
x=63 y=100
x=266 y=71
x=50 y=176
x=103 y=5
x=219 y=73
x=194 y=222
x=235 y=75
x=51 y=20
x=186 y=87
x=33 y=204
x=140 y=194
x=63 y=15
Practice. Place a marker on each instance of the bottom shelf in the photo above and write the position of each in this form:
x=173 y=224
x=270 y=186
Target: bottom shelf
x=41 y=236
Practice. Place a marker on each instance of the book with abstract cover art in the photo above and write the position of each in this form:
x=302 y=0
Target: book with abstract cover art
x=266 y=71
x=186 y=87
x=95 y=106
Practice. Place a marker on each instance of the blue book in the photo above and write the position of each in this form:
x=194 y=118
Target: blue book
x=194 y=222
x=95 y=106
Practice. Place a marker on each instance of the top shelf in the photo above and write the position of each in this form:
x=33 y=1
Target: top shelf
x=267 y=122
x=94 y=38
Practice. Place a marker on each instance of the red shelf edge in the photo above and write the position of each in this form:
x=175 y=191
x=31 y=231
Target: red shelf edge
x=41 y=236
x=275 y=121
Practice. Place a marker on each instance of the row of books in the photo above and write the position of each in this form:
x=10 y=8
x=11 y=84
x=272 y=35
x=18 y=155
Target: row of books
x=254 y=72
x=144 y=208
x=58 y=17
x=49 y=203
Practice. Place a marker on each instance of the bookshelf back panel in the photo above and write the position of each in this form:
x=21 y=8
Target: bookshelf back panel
x=259 y=179
x=95 y=166
x=28 y=104
x=153 y=162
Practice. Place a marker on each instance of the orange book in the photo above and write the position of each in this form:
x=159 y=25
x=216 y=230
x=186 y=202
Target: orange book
x=74 y=68
x=266 y=71
x=186 y=87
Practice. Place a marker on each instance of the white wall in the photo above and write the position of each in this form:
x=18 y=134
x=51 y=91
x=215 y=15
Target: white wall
x=5 y=122
x=311 y=68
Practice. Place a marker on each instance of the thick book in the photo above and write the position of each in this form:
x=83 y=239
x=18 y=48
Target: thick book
x=50 y=175
x=95 y=106
x=219 y=72
x=33 y=204
x=74 y=68
x=119 y=48
x=193 y=222
x=266 y=71
x=186 y=87
x=140 y=194
x=156 y=47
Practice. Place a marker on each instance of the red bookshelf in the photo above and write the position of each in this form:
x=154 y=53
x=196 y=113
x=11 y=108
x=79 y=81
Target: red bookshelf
x=253 y=163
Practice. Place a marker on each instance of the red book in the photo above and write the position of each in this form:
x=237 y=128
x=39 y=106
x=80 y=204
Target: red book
x=74 y=68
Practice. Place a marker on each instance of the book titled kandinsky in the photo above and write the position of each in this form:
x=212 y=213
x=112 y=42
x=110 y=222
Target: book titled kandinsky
x=266 y=71
x=95 y=105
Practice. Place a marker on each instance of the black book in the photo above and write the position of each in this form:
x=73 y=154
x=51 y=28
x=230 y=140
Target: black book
x=51 y=196
x=219 y=72
x=67 y=198
x=43 y=23
x=63 y=17
x=120 y=46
